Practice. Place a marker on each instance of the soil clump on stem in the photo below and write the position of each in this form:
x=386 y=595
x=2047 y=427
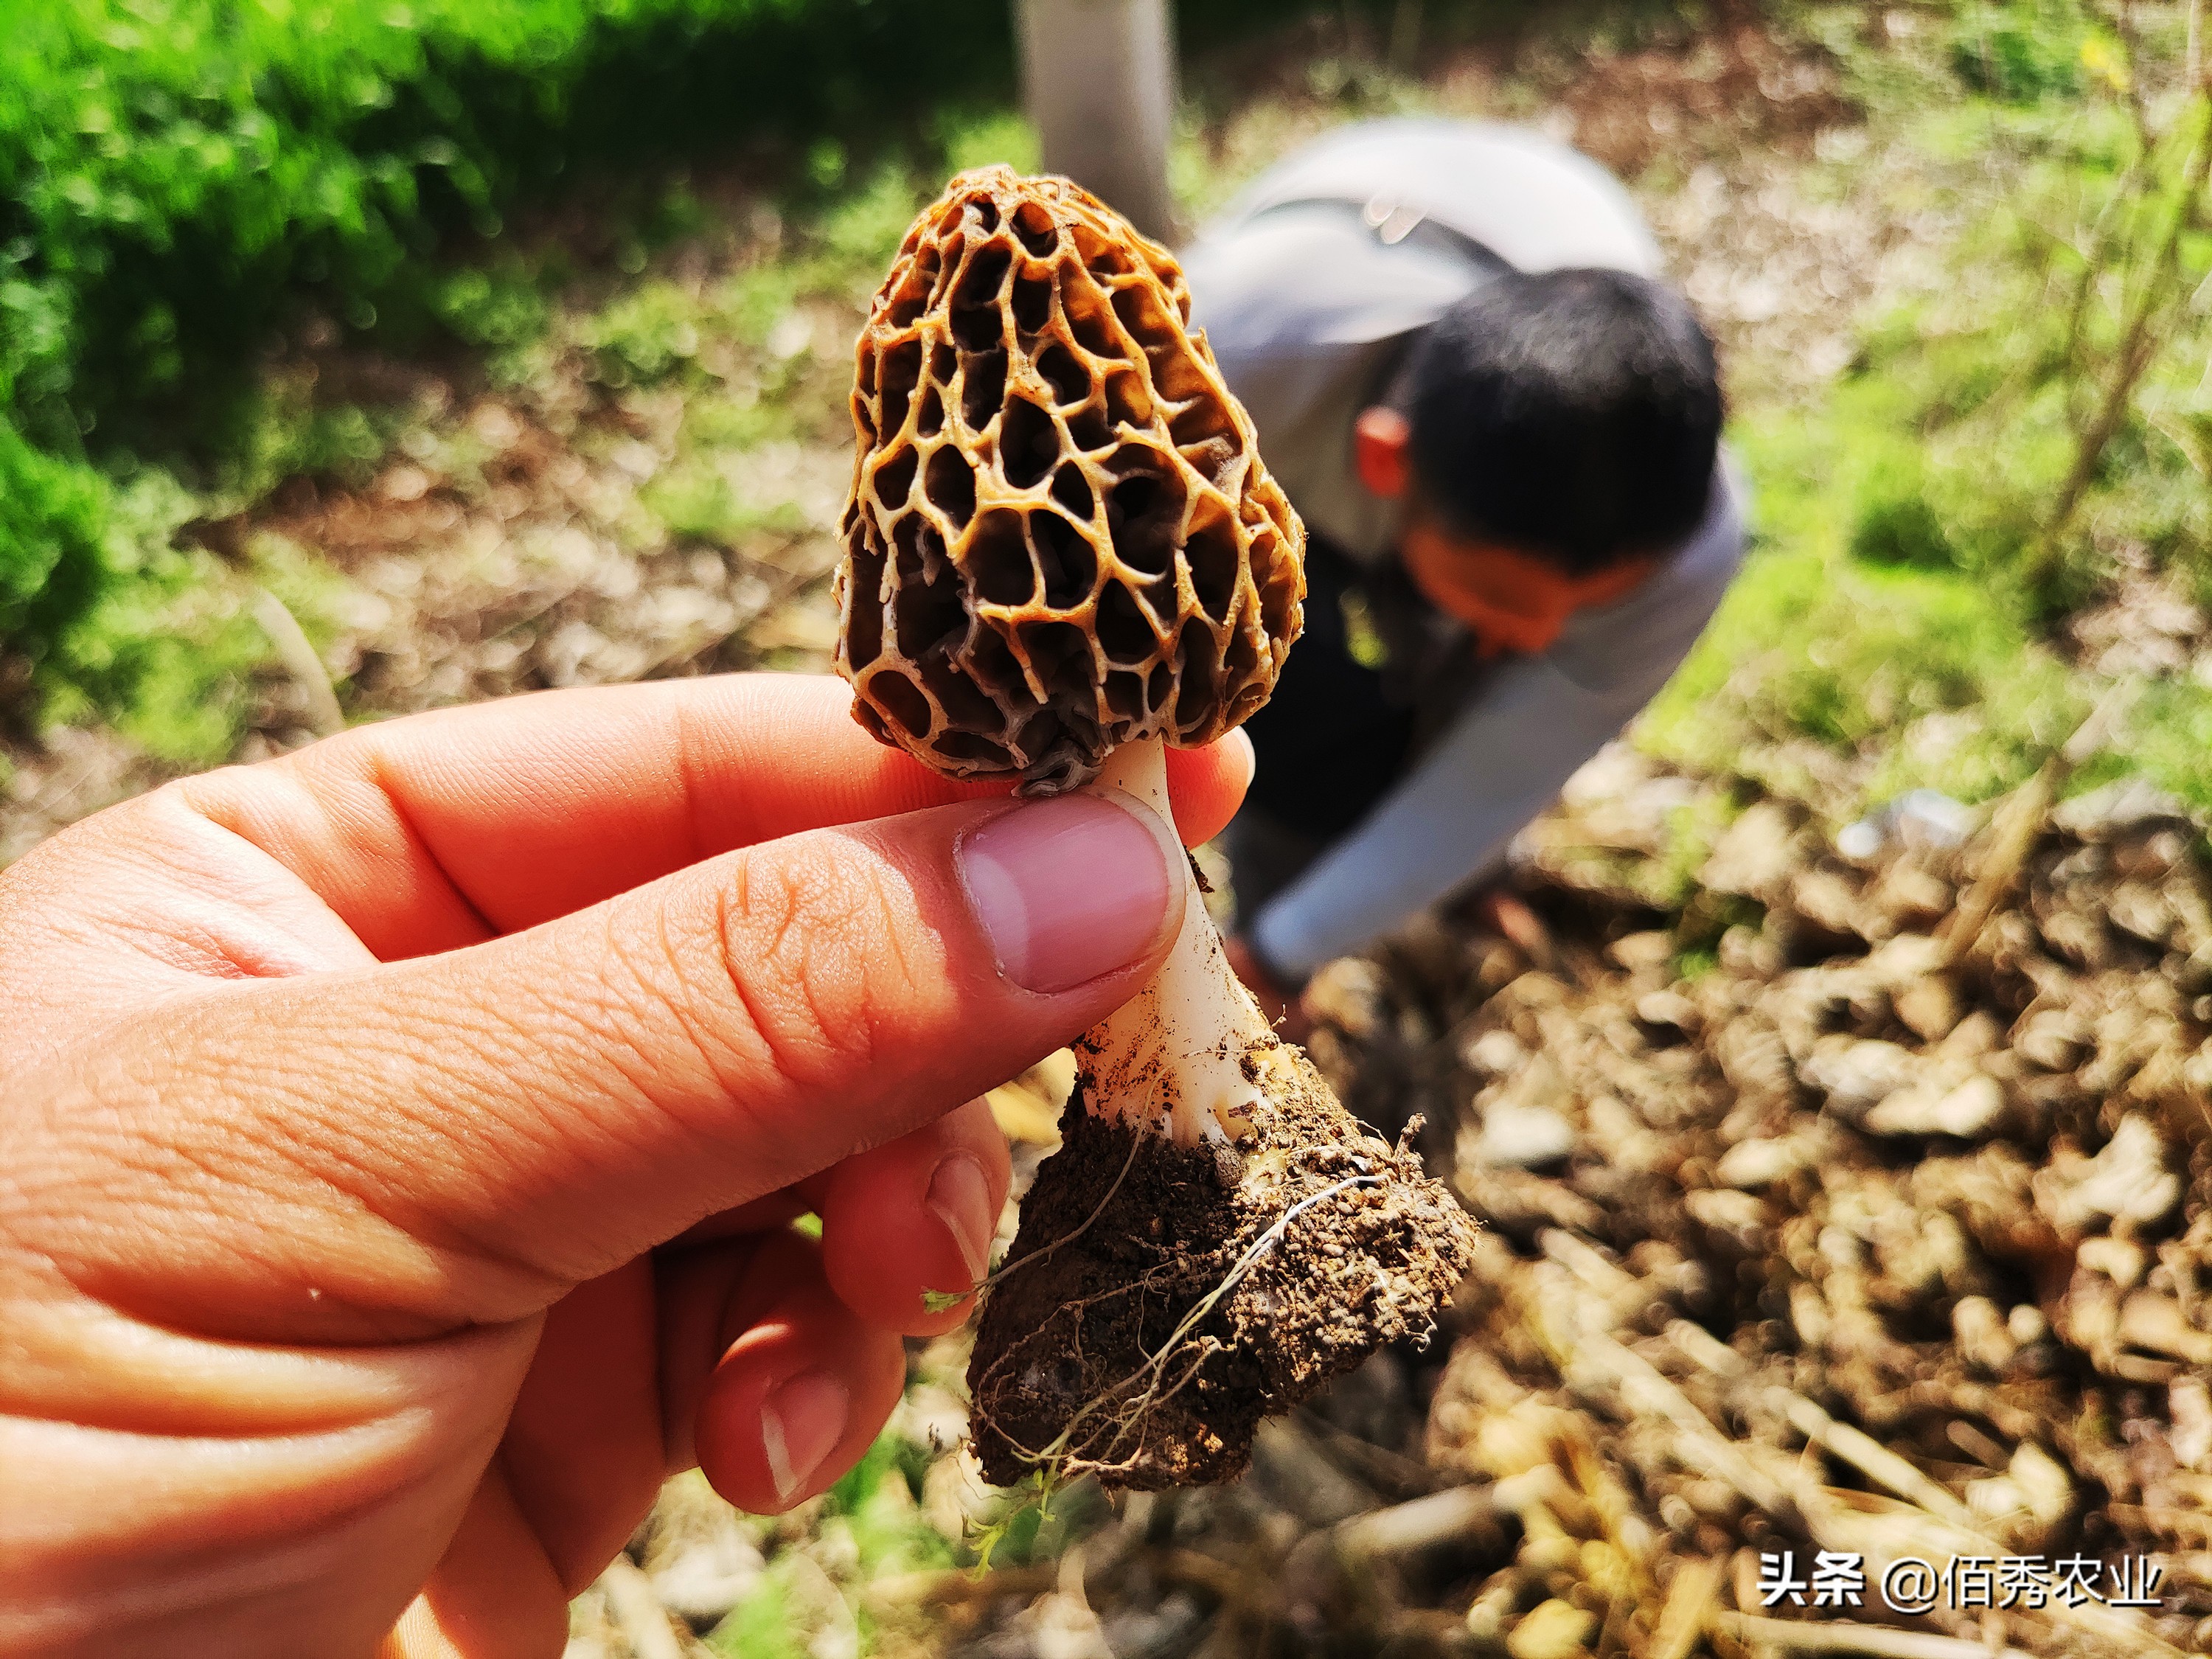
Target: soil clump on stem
x=1161 y=1300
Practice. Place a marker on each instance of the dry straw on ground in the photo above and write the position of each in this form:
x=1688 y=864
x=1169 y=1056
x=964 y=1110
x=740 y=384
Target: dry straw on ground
x=1878 y=1236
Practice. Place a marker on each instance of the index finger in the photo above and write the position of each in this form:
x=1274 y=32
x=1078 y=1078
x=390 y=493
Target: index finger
x=440 y=830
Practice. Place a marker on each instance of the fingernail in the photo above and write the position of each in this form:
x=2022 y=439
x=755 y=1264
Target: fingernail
x=1238 y=741
x=1067 y=888
x=960 y=1197
x=800 y=1426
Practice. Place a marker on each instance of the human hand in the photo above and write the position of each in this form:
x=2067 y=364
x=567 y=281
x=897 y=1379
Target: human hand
x=398 y=1137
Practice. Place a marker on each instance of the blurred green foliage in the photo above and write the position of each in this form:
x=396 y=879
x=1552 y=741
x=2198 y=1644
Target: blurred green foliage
x=2023 y=430
x=171 y=172
x=2017 y=51
x=171 y=166
x=175 y=175
x=870 y=1527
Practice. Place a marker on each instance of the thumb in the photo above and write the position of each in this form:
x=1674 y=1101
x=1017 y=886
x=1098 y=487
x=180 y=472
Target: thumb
x=508 y=1120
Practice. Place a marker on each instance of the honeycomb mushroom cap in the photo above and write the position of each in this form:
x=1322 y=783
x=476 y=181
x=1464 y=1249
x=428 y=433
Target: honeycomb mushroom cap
x=1060 y=537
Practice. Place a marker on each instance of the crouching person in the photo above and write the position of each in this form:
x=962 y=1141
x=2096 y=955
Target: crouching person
x=1501 y=426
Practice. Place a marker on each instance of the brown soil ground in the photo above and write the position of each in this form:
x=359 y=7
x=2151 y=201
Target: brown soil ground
x=1880 y=1230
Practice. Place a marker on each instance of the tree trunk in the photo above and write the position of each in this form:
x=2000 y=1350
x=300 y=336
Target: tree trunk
x=1098 y=80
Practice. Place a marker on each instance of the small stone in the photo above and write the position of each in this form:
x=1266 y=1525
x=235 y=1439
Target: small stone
x=2118 y=1258
x=2079 y=938
x=2188 y=1403
x=2132 y=803
x=1911 y=897
x=1726 y=1210
x=1494 y=1053
x=1350 y=994
x=1747 y=953
x=933 y=1416
x=2127 y=1184
x=495 y=425
x=955 y=1498
x=1832 y=905
x=1485 y=1620
x=1976 y=1037
x=2196 y=1070
x=2049 y=1489
x=1810 y=1315
x=1668 y=1008
x=2151 y=857
x=404 y=484
x=1905 y=957
x=2194 y=976
x=1982 y=1335
x=1750 y=1164
x=2026 y=1324
x=1523 y=1137
x=2140 y=912
x=2052 y=1041
x=1920 y=818
x=1639 y=952
x=1754 y=856
x=1553 y=1629
x=2158 y=1325
x=1928 y=818
x=1857 y=1073
x=794 y=627
x=702 y=1583
x=1860 y=842
x=1968 y=1110
x=1928 y=1007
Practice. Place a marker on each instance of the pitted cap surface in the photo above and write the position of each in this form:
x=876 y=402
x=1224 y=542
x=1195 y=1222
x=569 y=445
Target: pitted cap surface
x=1060 y=536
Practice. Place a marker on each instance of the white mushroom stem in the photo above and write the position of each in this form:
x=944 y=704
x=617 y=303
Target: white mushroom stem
x=1191 y=1054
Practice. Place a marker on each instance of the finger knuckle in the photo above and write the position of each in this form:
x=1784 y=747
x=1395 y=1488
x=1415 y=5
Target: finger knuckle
x=813 y=949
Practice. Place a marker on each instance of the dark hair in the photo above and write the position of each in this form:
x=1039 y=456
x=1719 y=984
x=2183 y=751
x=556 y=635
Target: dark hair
x=1573 y=416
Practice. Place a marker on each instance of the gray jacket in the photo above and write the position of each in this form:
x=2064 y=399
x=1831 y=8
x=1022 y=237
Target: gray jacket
x=1310 y=288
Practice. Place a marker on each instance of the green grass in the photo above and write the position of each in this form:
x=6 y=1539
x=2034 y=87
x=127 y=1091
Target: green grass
x=867 y=1527
x=179 y=175
x=1817 y=642
x=180 y=178
x=1915 y=550
x=125 y=624
x=1898 y=605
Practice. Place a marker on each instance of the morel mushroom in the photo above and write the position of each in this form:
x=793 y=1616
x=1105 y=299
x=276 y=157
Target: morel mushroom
x=1062 y=552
